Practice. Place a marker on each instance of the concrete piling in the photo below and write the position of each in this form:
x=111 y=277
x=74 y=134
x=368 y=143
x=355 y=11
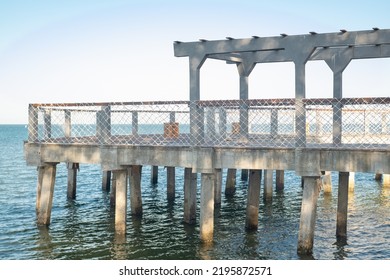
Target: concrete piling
x=106 y=181
x=170 y=183
x=207 y=207
x=154 y=175
x=253 y=199
x=135 y=190
x=113 y=190
x=279 y=180
x=218 y=187
x=342 y=205
x=120 y=201
x=311 y=190
x=244 y=174
x=268 y=182
x=230 y=187
x=45 y=196
x=190 y=186
x=72 y=179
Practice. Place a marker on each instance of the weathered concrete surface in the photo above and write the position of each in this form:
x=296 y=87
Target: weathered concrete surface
x=342 y=205
x=120 y=201
x=190 y=186
x=207 y=207
x=45 y=188
x=305 y=161
x=253 y=199
x=311 y=190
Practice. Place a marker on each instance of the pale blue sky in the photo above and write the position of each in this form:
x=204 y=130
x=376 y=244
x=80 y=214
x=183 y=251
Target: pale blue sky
x=118 y=50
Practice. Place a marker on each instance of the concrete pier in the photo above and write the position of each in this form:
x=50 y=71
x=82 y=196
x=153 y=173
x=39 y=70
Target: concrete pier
x=207 y=207
x=120 y=201
x=253 y=199
x=190 y=186
x=218 y=187
x=106 y=181
x=244 y=174
x=47 y=176
x=113 y=190
x=268 y=182
x=135 y=190
x=205 y=137
x=154 y=175
x=311 y=191
x=72 y=179
x=171 y=183
x=279 y=180
x=342 y=205
x=230 y=187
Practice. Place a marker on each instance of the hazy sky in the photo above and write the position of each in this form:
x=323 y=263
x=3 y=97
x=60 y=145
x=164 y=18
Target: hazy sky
x=122 y=50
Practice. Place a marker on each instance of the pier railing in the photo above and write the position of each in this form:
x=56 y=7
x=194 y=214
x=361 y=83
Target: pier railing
x=357 y=123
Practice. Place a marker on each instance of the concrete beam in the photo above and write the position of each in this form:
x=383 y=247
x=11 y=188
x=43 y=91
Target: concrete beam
x=337 y=39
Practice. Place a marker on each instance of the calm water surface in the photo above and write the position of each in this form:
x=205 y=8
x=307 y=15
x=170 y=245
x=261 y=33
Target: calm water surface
x=84 y=228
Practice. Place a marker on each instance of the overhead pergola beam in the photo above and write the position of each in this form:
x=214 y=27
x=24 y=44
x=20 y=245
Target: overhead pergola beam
x=338 y=39
x=361 y=52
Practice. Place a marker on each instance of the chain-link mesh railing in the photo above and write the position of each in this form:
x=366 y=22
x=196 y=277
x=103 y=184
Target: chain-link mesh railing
x=357 y=123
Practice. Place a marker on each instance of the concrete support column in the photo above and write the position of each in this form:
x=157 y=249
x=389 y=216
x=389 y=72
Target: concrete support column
x=154 y=175
x=327 y=182
x=45 y=190
x=342 y=205
x=337 y=107
x=113 y=190
x=311 y=190
x=279 y=180
x=218 y=187
x=134 y=123
x=244 y=174
x=230 y=187
x=196 y=113
x=268 y=182
x=72 y=179
x=170 y=183
x=106 y=181
x=120 y=201
x=207 y=207
x=244 y=118
x=300 y=111
x=190 y=186
x=253 y=200
x=135 y=190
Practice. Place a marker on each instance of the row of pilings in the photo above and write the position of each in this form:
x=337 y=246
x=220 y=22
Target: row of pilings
x=117 y=182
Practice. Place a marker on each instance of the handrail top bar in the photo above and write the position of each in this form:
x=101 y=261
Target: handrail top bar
x=232 y=102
